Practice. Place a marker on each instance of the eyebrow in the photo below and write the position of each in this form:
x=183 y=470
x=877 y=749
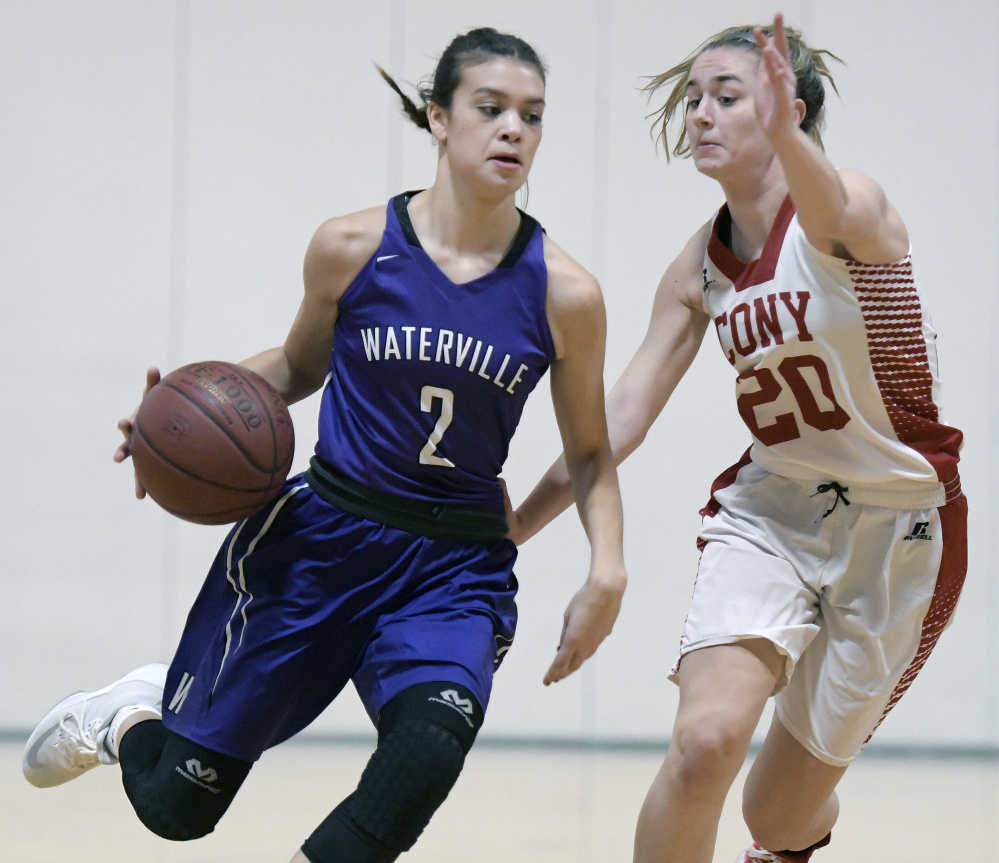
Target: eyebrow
x=502 y=94
x=718 y=79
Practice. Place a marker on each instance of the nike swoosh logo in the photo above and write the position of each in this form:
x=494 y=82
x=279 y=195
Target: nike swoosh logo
x=385 y=258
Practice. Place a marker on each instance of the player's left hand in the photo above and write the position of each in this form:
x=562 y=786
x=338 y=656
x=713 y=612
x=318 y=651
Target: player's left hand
x=588 y=620
x=776 y=85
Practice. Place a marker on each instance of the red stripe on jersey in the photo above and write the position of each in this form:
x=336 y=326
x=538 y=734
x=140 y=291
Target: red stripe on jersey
x=950 y=580
x=893 y=319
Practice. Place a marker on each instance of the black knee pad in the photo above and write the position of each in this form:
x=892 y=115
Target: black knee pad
x=424 y=734
x=178 y=789
x=449 y=705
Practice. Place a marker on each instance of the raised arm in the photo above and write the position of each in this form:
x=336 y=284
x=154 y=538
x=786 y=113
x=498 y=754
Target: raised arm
x=675 y=332
x=842 y=212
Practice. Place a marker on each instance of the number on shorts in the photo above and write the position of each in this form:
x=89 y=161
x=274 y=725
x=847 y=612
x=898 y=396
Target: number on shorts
x=427 y=396
x=784 y=426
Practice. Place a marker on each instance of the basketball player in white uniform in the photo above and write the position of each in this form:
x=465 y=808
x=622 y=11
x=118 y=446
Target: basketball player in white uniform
x=833 y=553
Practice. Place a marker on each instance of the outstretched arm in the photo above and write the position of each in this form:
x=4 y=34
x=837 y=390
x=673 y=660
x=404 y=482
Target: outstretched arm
x=675 y=332
x=842 y=212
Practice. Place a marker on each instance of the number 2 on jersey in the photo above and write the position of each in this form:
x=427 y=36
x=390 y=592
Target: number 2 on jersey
x=427 y=396
x=784 y=426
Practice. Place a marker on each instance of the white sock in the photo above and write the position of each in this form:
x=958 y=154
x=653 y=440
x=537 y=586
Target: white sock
x=112 y=732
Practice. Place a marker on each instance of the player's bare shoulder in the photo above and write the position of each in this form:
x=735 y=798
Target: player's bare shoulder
x=340 y=248
x=575 y=304
x=683 y=280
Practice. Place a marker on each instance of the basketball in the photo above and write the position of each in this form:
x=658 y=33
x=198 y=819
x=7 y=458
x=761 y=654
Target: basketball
x=212 y=442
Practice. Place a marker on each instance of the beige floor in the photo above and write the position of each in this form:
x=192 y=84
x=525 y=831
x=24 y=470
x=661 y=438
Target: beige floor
x=511 y=805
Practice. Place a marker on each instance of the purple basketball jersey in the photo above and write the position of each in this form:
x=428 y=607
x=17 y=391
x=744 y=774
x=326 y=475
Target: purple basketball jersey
x=428 y=378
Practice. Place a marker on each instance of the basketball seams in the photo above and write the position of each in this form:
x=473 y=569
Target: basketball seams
x=272 y=423
x=206 y=456
x=255 y=498
x=210 y=482
x=251 y=458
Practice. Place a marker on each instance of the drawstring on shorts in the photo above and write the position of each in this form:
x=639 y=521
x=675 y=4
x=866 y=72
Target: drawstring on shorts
x=840 y=496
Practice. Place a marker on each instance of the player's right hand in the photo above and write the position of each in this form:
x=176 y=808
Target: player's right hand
x=125 y=427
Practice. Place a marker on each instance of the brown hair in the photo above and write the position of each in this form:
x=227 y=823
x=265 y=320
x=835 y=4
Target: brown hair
x=470 y=49
x=809 y=68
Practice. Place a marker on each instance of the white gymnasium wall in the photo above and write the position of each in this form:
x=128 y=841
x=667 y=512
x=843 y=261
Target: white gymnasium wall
x=163 y=165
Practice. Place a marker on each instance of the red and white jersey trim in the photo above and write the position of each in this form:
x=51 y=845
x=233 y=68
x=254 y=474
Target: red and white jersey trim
x=897 y=336
x=836 y=367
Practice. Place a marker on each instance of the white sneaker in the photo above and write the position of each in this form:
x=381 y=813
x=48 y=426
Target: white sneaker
x=755 y=854
x=73 y=736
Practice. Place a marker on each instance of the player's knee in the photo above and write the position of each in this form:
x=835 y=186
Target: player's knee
x=409 y=777
x=707 y=753
x=166 y=821
x=423 y=736
x=185 y=792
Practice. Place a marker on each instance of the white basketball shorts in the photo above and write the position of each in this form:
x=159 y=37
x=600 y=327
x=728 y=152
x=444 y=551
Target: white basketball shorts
x=854 y=596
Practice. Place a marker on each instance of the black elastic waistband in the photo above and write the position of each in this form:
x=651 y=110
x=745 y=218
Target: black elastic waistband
x=435 y=520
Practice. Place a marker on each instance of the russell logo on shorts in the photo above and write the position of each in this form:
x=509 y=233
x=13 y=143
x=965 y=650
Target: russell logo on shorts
x=918 y=532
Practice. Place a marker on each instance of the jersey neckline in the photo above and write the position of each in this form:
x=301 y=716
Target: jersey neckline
x=746 y=274
x=400 y=205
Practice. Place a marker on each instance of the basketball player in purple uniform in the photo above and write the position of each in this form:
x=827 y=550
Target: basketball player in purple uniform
x=833 y=553
x=427 y=323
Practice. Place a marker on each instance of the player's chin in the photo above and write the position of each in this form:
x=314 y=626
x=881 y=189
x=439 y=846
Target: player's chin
x=507 y=175
x=706 y=164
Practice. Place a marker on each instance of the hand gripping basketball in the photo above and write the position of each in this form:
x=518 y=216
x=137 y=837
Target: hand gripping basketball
x=211 y=442
x=125 y=427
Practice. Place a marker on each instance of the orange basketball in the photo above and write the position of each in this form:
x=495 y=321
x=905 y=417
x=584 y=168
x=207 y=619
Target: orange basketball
x=212 y=442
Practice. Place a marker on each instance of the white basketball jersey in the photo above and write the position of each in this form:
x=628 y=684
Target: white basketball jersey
x=837 y=367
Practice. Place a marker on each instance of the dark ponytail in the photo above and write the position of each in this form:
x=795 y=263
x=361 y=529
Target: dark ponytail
x=409 y=107
x=470 y=49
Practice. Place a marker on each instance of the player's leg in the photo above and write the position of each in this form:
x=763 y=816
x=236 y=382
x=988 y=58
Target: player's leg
x=84 y=729
x=424 y=734
x=751 y=617
x=886 y=600
x=425 y=678
x=271 y=640
x=178 y=789
x=789 y=800
x=723 y=691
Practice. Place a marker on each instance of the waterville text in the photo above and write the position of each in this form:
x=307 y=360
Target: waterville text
x=421 y=343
